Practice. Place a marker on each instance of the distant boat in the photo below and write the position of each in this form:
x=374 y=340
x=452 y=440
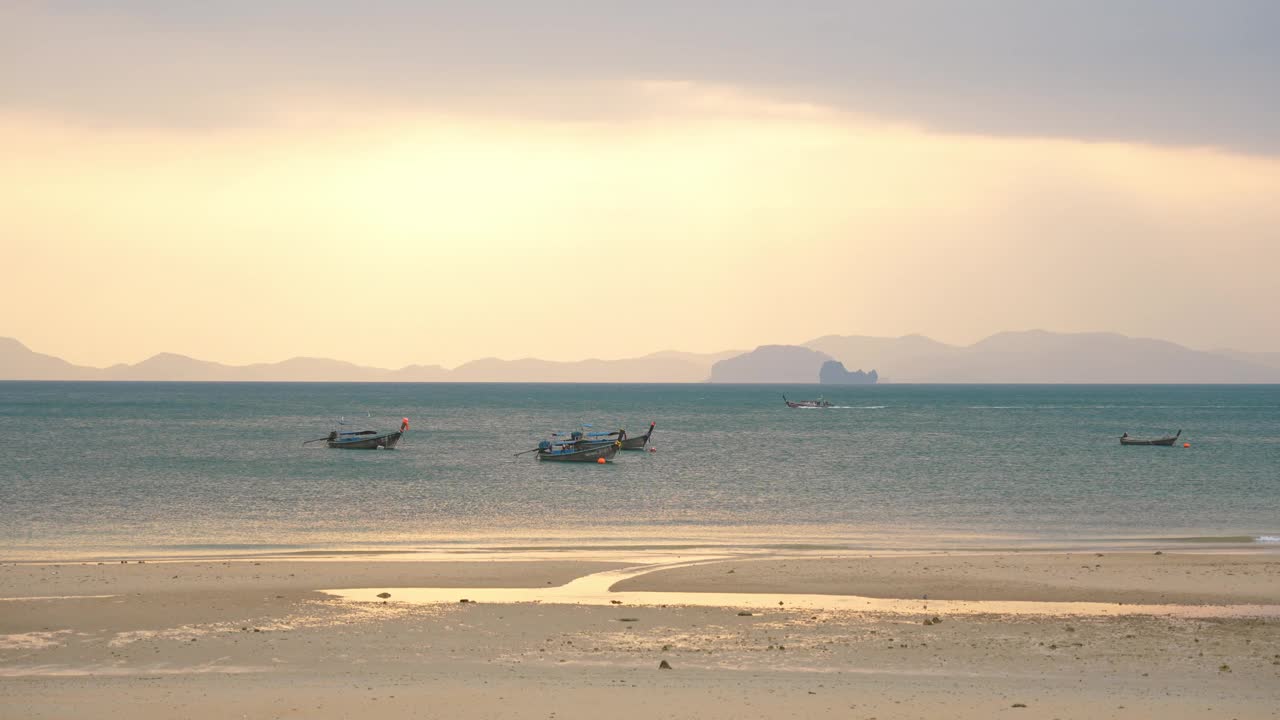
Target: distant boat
x=363 y=439
x=819 y=403
x=1167 y=440
x=572 y=453
x=638 y=442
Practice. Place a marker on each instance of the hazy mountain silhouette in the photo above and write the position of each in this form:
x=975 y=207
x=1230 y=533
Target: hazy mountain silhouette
x=771 y=364
x=1031 y=356
x=1269 y=359
x=897 y=359
x=833 y=372
x=1039 y=356
x=170 y=366
x=658 y=367
x=17 y=362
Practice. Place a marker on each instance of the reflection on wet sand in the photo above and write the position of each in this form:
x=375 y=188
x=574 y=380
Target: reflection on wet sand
x=595 y=589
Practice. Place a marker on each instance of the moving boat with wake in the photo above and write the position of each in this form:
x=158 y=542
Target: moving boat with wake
x=819 y=403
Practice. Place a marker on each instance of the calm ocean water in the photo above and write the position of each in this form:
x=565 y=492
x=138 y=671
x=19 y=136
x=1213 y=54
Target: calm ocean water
x=107 y=469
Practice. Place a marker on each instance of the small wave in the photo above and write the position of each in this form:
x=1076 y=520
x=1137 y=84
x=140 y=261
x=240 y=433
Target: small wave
x=1267 y=539
x=996 y=407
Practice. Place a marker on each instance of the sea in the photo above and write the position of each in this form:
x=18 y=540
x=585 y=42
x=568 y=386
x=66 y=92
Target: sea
x=125 y=470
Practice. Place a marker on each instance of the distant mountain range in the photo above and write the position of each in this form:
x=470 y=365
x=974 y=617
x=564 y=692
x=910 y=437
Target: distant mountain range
x=17 y=362
x=1037 y=356
x=1032 y=356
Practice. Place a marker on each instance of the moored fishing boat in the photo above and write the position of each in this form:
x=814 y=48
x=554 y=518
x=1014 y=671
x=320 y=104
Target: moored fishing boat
x=582 y=439
x=363 y=439
x=638 y=442
x=571 y=453
x=819 y=403
x=1166 y=441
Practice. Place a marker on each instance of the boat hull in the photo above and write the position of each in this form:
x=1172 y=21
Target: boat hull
x=588 y=454
x=1166 y=441
x=385 y=440
x=807 y=404
x=638 y=443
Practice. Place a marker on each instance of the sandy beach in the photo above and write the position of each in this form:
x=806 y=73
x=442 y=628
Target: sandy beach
x=1035 y=635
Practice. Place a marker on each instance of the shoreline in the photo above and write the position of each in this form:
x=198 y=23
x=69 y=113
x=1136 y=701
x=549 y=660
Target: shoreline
x=595 y=545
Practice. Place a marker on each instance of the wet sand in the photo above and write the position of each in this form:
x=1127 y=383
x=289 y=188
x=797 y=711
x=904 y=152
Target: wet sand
x=213 y=639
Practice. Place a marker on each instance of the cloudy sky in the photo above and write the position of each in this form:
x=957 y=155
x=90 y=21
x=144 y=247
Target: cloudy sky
x=397 y=182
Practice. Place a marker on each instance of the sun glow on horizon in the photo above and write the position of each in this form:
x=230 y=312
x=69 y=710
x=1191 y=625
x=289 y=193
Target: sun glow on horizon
x=713 y=217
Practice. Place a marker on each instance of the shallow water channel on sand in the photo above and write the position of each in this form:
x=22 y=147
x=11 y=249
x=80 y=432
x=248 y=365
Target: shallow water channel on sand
x=595 y=589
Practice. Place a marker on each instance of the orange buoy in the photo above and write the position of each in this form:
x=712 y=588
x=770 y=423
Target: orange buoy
x=600 y=460
x=1186 y=445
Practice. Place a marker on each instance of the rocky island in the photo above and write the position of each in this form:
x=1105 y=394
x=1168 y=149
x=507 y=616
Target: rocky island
x=833 y=372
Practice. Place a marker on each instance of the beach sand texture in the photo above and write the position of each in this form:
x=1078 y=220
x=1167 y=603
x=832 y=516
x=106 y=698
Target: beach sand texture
x=259 y=638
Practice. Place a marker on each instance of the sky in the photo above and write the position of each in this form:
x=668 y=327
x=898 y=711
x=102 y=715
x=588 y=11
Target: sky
x=415 y=182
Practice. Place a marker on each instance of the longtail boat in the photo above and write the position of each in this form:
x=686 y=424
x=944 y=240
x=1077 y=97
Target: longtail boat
x=363 y=439
x=571 y=453
x=819 y=403
x=581 y=439
x=638 y=442
x=1166 y=441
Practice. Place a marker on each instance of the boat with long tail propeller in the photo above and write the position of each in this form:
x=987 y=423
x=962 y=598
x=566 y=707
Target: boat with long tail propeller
x=638 y=442
x=1166 y=441
x=363 y=439
x=585 y=438
x=555 y=452
x=819 y=403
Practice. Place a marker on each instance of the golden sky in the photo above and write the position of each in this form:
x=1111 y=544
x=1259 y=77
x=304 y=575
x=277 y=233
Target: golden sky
x=644 y=213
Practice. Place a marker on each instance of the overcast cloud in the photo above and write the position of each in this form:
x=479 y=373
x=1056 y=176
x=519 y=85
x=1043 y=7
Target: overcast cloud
x=1155 y=71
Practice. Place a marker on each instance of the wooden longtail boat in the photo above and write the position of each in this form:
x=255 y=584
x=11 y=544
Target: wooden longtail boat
x=580 y=439
x=819 y=403
x=363 y=439
x=1167 y=440
x=572 y=453
x=638 y=442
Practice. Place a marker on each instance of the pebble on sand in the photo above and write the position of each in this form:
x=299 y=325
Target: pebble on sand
x=664 y=665
x=384 y=595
